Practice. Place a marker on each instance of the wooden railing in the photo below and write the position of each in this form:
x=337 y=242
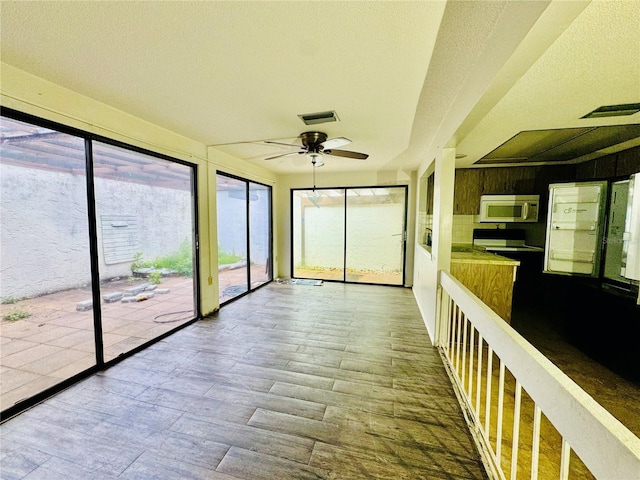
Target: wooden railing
x=529 y=419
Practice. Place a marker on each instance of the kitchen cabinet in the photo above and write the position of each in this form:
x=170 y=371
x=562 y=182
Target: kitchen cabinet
x=468 y=188
x=603 y=167
x=490 y=277
x=430 y=188
x=628 y=162
x=621 y=164
x=471 y=183
x=509 y=181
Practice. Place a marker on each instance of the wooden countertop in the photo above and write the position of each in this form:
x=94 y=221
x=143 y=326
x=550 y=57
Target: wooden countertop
x=473 y=255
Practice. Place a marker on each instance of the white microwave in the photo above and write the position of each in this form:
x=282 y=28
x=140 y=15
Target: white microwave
x=509 y=208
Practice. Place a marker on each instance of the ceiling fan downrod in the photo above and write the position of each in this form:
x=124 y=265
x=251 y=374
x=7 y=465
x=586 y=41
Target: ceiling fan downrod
x=313 y=162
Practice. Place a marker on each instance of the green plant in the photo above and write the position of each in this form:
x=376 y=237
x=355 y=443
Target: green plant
x=180 y=261
x=16 y=314
x=137 y=262
x=155 y=278
x=9 y=300
x=228 y=258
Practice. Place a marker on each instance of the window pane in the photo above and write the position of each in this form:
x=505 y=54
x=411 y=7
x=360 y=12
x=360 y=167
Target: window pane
x=144 y=212
x=318 y=234
x=46 y=329
x=375 y=235
x=260 y=233
x=232 y=237
x=505 y=211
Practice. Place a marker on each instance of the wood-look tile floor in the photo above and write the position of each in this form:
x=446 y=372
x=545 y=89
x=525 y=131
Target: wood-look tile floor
x=289 y=382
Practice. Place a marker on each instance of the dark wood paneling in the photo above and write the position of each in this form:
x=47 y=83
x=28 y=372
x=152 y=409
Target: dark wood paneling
x=605 y=166
x=616 y=165
x=468 y=188
x=586 y=170
x=628 y=162
x=471 y=183
x=498 y=181
x=430 y=190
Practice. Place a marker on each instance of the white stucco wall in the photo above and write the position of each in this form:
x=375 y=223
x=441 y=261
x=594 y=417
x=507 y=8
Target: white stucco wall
x=45 y=239
x=164 y=218
x=371 y=243
x=232 y=213
x=375 y=236
x=333 y=179
x=44 y=236
x=323 y=236
x=259 y=226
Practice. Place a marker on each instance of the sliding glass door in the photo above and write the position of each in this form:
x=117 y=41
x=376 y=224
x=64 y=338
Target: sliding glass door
x=98 y=253
x=375 y=235
x=349 y=234
x=244 y=235
x=318 y=234
x=146 y=230
x=47 y=326
x=260 y=234
x=231 y=199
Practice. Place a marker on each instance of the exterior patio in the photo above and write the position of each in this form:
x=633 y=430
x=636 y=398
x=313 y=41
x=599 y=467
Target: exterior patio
x=56 y=340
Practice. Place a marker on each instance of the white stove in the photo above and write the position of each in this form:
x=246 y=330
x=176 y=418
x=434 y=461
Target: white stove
x=495 y=240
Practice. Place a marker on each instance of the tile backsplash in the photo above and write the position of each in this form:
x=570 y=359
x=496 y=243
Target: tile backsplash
x=463 y=226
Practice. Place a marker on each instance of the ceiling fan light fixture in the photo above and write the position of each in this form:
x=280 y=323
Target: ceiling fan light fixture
x=319 y=117
x=316 y=159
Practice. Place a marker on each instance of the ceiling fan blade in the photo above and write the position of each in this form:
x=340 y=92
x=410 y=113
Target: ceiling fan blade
x=335 y=143
x=281 y=143
x=284 y=155
x=347 y=153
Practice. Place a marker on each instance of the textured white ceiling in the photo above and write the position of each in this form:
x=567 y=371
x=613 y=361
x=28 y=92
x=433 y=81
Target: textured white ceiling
x=225 y=72
x=593 y=63
x=221 y=72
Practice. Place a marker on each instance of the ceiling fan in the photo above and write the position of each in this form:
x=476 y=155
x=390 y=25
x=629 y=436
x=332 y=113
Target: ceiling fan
x=315 y=145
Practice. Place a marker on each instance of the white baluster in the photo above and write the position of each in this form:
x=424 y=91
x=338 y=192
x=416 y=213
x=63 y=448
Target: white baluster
x=516 y=431
x=471 y=338
x=565 y=457
x=487 y=406
x=535 y=445
x=479 y=376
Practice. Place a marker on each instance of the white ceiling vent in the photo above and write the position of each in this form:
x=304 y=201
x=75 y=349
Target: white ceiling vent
x=614 y=110
x=319 y=117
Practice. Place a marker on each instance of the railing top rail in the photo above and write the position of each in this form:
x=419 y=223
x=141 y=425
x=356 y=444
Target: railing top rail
x=606 y=446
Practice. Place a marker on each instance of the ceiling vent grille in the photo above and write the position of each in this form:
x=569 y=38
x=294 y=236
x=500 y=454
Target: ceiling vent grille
x=614 y=110
x=319 y=117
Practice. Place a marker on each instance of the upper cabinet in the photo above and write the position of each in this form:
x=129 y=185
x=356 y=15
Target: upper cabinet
x=471 y=183
x=616 y=165
x=425 y=221
x=468 y=188
x=509 y=181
